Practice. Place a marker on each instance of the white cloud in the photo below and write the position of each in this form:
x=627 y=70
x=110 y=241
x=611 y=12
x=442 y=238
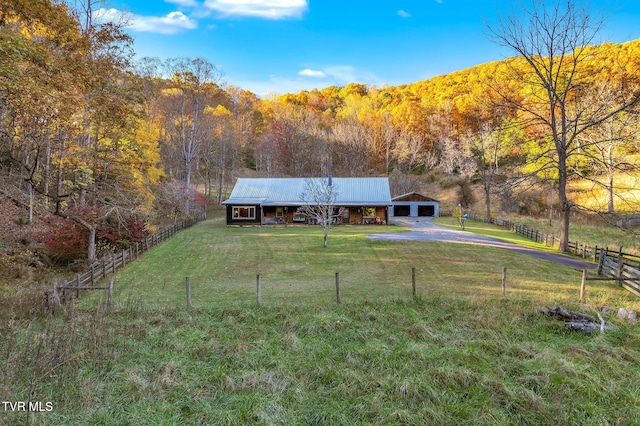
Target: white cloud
x=171 y=23
x=267 y=9
x=404 y=14
x=311 y=73
x=335 y=75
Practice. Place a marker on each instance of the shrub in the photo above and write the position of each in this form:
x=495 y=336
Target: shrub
x=447 y=183
x=65 y=240
x=119 y=235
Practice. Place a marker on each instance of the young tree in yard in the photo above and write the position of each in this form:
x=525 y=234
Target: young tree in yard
x=552 y=38
x=460 y=216
x=319 y=204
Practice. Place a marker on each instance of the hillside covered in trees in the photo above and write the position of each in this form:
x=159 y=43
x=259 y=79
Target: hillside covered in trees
x=99 y=148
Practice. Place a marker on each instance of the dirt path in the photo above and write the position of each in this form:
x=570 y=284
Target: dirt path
x=424 y=229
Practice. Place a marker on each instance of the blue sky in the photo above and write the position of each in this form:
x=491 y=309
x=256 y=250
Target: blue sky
x=284 y=46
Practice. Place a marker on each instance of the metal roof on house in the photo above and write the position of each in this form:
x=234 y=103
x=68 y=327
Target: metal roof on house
x=413 y=196
x=288 y=191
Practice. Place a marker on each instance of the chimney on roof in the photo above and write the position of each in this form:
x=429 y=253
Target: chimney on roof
x=330 y=180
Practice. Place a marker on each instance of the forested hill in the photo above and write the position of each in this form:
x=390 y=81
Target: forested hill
x=404 y=128
x=107 y=148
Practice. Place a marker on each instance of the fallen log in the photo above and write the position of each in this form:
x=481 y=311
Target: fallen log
x=575 y=321
x=566 y=315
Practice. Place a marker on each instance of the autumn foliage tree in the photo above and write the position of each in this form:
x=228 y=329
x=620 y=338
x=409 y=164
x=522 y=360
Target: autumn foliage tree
x=553 y=40
x=71 y=129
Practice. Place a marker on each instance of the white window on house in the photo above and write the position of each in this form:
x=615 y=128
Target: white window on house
x=244 y=212
x=279 y=211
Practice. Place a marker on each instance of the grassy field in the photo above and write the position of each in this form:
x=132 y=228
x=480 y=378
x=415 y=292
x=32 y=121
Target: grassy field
x=223 y=263
x=439 y=360
x=458 y=354
x=490 y=230
x=591 y=234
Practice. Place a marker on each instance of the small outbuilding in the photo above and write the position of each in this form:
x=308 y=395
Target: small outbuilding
x=272 y=201
x=414 y=204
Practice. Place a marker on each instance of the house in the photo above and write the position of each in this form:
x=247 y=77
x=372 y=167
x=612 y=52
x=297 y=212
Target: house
x=263 y=201
x=414 y=204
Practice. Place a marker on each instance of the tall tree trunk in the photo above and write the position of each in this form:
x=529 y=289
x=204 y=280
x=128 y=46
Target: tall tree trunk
x=187 y=187
x=565 y=205
x=91 y=249
x=551 y=203
x=611 y=168
x=610 y=208
x=487 y=195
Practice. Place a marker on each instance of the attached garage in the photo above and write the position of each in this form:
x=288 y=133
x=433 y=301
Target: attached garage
x=414 y=205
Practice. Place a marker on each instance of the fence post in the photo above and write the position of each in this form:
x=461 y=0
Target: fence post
x=93 y=275
x=78 y=286
x=413 y=281
x=124 y=255
x=504 y=281
x=583 y=286
x=258 y=289
x=54 y=301
x=603 y=253
x=110 y=295
x=188 y=283
x=338 y=297
x=113 y=265
x=620 y=266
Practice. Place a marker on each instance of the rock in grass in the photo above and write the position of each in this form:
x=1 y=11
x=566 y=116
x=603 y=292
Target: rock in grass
x=631 y=316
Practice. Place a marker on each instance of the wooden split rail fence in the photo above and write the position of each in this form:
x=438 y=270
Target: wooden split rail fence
x=70 y=289
x=624 y=268
x=579 y=249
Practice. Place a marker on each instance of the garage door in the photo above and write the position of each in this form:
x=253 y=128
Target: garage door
x=401 y=210
x=426 y=210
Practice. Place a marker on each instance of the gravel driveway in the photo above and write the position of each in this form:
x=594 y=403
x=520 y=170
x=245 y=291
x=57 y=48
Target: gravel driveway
x=423 y=229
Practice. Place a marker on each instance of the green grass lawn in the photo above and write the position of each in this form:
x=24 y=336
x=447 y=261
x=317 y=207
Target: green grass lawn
x=223 y=262
x=438 y=360
x=459 y=354
x=601 y=235
x=490 y=230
